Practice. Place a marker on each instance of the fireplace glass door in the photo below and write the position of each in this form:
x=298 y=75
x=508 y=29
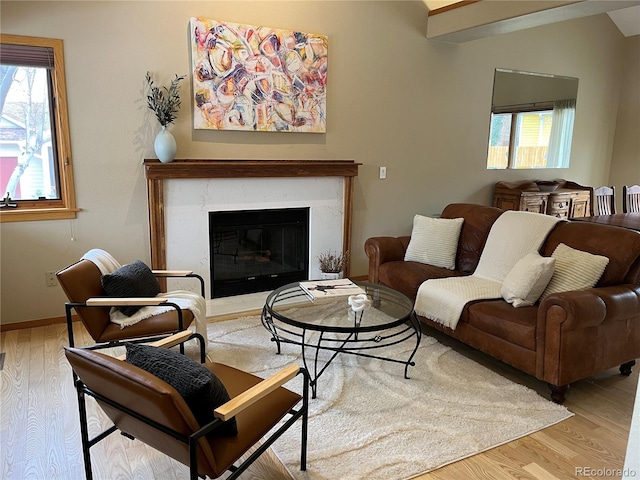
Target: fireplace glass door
x=257 y=250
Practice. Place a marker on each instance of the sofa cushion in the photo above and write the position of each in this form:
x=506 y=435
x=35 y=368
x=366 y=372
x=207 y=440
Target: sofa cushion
x=524 y=284
x=406 y=277
x=478 y=220
x=575 y=270
x=434 y=241
x=498 y=318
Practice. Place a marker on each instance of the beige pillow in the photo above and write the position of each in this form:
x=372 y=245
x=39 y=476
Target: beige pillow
x=528 y=278
x=575 y=270
x=434 y=241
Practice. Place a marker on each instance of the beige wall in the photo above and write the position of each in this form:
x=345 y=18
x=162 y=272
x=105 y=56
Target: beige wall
x=625 y=162
x=419 y=107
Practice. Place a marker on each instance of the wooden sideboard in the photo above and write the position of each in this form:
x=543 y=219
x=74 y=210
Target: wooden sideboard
x=569 y=200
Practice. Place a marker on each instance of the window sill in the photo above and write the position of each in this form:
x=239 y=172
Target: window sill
x=33 y=214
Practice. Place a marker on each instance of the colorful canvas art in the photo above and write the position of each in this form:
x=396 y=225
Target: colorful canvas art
x=257 y=78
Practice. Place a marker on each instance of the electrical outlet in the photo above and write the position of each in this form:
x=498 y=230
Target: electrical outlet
x=51 y=279
x=383 y=172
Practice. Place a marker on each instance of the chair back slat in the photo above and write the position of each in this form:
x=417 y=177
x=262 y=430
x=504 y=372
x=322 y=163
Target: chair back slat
x=605 y=200
x=631 y=199
x=81 y=281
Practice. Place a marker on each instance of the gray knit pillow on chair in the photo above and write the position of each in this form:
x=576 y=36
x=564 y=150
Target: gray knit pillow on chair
x=133 y=280
x=201 y=389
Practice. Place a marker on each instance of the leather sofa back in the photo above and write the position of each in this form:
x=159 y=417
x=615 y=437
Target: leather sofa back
x=478 y=220
x=620 y=245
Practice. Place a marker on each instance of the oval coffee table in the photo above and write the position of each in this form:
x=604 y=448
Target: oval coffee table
x=390 y=320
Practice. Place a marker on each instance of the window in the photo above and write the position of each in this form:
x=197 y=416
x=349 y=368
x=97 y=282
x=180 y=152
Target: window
x=36 y=176
x=535 y=138
x=532 y=117
x=519 y=140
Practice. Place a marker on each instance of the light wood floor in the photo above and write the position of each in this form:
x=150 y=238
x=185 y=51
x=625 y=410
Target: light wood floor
x=40 y=436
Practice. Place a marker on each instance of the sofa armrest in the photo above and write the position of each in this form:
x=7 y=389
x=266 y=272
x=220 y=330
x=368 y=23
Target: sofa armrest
x=382 y=250
x=581 y=333
x=588 y=308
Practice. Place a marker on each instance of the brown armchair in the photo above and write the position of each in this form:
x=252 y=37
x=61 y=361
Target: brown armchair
x=82 y=285
x=144 y=407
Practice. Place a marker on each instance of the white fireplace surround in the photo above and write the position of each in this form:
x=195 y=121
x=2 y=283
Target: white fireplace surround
x=189 y=201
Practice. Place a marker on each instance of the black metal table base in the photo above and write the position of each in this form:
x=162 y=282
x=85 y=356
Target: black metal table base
x=353 y=343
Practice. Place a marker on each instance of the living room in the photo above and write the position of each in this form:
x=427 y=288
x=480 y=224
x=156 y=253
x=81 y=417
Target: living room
x=418 y=107
x=421 y=109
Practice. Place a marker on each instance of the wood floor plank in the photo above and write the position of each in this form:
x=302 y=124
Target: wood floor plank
x=36 y=424
x=544 y=441
x=60 y=397
x=538 y=472
x=8 y=386
x=15 y=388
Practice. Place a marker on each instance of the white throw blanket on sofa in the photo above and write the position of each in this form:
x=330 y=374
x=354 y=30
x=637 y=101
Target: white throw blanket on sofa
x=513 y=235
x=185 y=299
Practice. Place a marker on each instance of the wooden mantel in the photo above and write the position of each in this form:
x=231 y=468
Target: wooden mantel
x=249 y=168
x=156 y=172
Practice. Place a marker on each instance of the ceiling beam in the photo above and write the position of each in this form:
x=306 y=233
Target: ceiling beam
x=486 y=18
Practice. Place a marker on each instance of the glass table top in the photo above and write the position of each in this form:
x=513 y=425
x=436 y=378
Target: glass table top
x=291 y=305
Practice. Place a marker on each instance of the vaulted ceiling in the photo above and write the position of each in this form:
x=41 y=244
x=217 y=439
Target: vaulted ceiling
x=460 y=21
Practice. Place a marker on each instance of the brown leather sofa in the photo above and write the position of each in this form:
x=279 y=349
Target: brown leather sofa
x=568 y=336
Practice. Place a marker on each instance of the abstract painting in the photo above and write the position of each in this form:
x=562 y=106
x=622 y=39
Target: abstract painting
x=257 y=78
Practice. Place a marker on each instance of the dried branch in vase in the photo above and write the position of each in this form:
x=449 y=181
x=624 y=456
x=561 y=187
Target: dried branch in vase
x=333 y=262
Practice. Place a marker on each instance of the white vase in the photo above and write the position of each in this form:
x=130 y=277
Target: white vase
x=330 y=275
x=165 y=146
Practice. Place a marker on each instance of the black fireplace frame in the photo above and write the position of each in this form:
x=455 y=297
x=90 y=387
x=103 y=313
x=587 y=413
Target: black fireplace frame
x=251 y=220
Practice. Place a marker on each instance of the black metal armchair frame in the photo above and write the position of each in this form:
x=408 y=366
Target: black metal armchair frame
x=108 y=302
x=250 y=396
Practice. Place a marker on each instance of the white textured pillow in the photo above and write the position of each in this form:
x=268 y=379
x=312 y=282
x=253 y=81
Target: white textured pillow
x=528 y=278
x=434 y=241
x=575 y=270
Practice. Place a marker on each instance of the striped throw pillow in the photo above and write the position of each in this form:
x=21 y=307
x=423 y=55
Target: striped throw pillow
x=575 y=270
x=434 y=241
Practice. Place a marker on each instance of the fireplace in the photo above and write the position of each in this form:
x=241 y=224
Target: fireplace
x=257 y=250
x=181 y=194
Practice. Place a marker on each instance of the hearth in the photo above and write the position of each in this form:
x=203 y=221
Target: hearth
x=257 y=250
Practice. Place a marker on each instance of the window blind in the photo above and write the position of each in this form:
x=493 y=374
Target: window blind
x=26 y=55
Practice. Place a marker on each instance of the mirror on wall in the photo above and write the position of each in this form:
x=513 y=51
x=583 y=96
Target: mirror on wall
x=532 y=117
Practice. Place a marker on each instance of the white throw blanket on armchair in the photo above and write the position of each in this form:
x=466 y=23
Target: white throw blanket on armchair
x=185 y=299
x=512 y=236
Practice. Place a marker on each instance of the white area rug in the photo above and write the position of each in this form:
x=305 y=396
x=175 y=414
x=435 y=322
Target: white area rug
x=368 y=421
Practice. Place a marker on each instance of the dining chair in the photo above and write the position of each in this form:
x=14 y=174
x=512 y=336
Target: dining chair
x=631 y=199
x=604 y=198
x=144 y=406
